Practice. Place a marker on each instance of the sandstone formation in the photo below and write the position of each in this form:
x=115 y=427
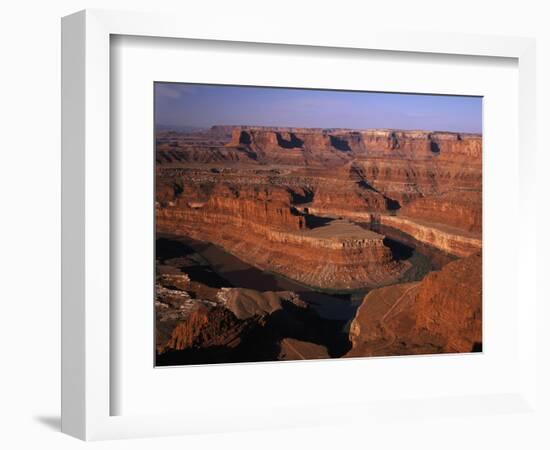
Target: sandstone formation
x=457 y=209
x=310 y=206
x=260 y=226
x=240 y=325
x=176 y=299
x=215 y=327
x=440 y=314
x=270 y=174
x=246 y=303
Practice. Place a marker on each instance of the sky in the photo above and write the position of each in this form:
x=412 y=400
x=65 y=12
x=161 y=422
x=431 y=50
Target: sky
x=181 y=105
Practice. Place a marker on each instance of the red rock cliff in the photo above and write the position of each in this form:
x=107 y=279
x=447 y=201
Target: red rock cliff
x=440 y=314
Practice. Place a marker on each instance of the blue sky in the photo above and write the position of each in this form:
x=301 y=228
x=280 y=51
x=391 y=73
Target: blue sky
x=194 y=105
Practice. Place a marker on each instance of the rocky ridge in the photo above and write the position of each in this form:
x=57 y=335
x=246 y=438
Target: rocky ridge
x=440 y=314
x=239 y=325
x=296 y=202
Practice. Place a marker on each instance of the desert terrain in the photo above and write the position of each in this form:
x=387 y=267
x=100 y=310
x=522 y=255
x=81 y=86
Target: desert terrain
x=306 y=243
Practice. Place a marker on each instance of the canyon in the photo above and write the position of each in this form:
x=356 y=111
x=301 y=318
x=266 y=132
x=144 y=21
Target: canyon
x=276 y=226
x=440 y=314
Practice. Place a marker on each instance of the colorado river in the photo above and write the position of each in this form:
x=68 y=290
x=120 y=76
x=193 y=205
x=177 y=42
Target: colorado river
x=213 y=266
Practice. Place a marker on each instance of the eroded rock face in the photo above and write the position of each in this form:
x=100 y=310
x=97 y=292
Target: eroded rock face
x=296 y=202
x=230 y=204
x=440 y=314
x=310 y=146
x=459 y=209
x=247 y=303
x=260 y=225
x=259 y=182
x=208 y=327
x=246 y=325
x=297 y=146
x=293 y=349
x=177 y=297
x=451 y=240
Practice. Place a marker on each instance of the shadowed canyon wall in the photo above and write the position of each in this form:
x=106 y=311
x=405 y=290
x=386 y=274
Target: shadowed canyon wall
x=440 y=314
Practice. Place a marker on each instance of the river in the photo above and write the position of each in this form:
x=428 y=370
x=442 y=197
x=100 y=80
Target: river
x=213 y=266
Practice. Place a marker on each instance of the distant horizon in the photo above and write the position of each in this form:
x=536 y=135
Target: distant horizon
x=174 y=128
x=180 y=106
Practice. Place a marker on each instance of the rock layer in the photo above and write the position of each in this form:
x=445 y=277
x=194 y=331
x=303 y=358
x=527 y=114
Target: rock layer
x=451 y=240
x=247 y=325
x=291 y=201
x=329 y=261
x=428 y=177
x=440 y=314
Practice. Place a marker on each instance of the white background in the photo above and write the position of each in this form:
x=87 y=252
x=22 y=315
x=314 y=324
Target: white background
x=30 y=80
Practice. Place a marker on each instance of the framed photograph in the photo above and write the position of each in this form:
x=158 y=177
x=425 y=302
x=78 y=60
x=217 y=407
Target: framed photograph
x=311 y=229
x=338 y=224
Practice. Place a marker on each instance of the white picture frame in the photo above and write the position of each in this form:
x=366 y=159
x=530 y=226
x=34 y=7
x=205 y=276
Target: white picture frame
x=86 y=216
